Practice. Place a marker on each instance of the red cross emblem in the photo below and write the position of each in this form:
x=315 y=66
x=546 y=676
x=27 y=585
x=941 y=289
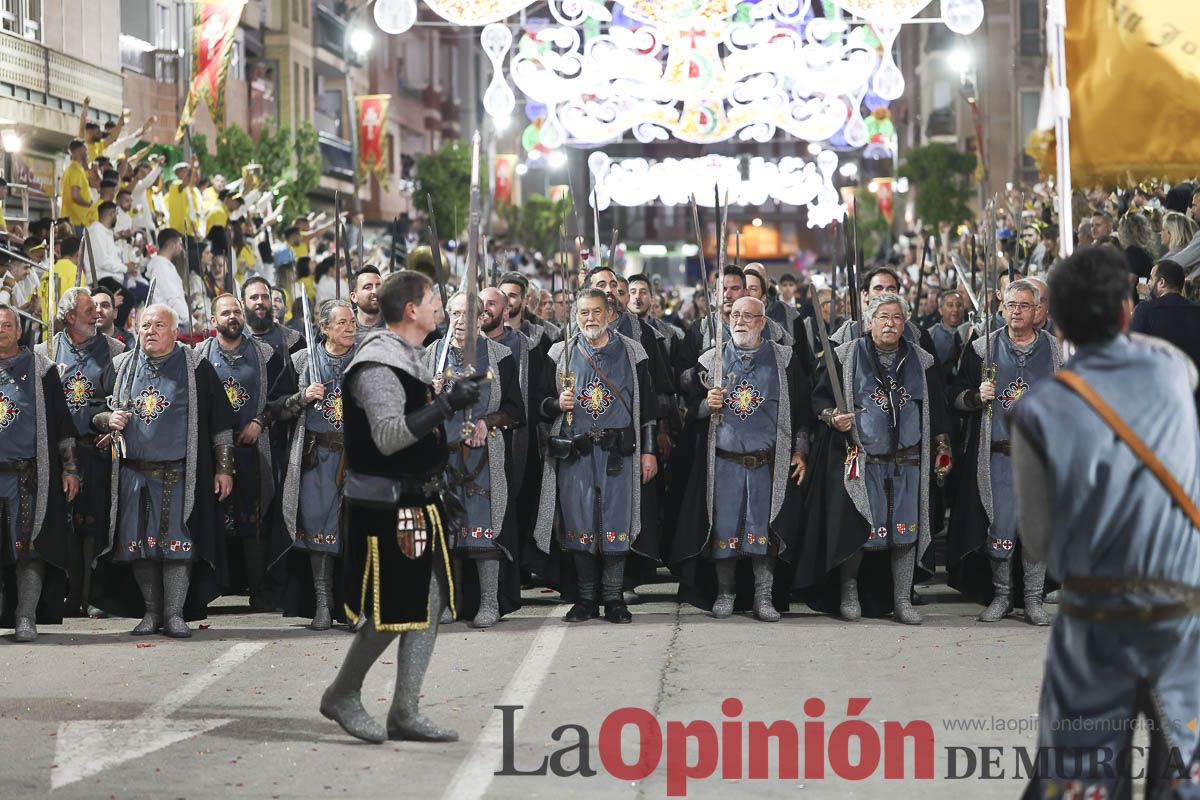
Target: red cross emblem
x=79 y=390
x=745 y=399
x=595 y=398
x=150 y=404
x=1096 y=792
x=1012 y=393
x=8 y=411
x=236 y=394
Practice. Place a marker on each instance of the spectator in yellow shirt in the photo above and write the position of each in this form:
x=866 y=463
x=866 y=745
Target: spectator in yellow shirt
x=77 y=198
x=179 y=211
x=219 y=214
x=67 y=272
x=98 y=140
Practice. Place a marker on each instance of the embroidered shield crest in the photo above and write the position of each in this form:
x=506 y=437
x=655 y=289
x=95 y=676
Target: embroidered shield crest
x=880 y=395
x=8 y=411
x=595 y=398
x=78 y=389
x=1012 y=393
x=745 y=399
x=331 y=408
x=150 y=404
x=236 y=393
x=411 y=535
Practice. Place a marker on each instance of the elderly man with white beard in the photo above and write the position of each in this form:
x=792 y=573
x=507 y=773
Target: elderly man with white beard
x=743 y=498
x=887 y=437
x=600 y=452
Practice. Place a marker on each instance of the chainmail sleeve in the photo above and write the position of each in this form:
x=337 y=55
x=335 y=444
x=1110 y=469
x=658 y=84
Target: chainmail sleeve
x=389 y=428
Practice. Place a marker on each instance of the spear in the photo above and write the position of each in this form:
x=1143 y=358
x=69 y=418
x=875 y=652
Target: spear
x=337 y=243
x=718 y=370
x=703 y=267
x=474 y=227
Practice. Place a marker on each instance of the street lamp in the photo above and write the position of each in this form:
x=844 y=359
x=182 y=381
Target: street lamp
x=557 y=159
x=960 y=60
x=361 y=41
x=12 y=141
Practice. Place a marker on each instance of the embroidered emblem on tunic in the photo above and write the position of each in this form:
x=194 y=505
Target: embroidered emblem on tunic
x=331 y=408
x=78 y=390
x=150 y=404
x=881 y=397
x=1012 y=392
x=8 y=411
x=236 y=394
x=595 y=398
x=745 y=399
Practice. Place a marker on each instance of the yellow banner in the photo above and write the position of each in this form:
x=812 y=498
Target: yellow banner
x=1133 y=69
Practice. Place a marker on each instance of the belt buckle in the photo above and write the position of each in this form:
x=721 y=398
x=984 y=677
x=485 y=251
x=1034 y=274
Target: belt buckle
x=750 y=461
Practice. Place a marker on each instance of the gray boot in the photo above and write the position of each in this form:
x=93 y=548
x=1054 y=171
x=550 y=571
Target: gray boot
x=30 y=574
x=176 y=575
x=404 y=721
x=726 y=589
x=489 y=593
x=849 y=609
x=342 y=701
x=1001 y=603
x=148 y=575
x=764 y=582
x=322 y=571
x=904 y=561
x=1035 y=582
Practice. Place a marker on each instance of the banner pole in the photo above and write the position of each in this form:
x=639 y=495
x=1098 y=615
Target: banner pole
x=1056 y=23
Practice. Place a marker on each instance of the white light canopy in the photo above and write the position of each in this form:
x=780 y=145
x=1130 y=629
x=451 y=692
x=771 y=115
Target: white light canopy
x=673 y=181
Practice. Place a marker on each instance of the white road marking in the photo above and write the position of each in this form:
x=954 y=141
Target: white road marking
x=475 y=773
x=86 y=747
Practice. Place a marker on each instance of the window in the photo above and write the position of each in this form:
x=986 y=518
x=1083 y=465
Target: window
x=296 y=11
x=1031 y=27
x=1031 y=102
x=305 y=15
x=22 y=18
x=164 y=33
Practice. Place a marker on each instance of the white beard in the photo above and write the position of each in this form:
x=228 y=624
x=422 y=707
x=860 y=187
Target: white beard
x=593 y=334
x=745 y=341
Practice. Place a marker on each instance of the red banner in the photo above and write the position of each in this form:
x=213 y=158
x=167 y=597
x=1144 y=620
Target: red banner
x=504 y=171
x=883 y=194
x=213 y=25
x=372 y=116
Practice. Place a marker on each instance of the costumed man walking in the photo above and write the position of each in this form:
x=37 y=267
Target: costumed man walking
x=39 y=476
x=746 y=484
x=882 y=280
x=396 y=564
x=878 y=458
x=254 y=379
x=944 y=332
x=524 y=487
x=312 y=489
x=1107 y=481
x=260 y=319
x=82 y=355
x=176 y=464
x=984 y=523
x=600 y=453
x=480 y=469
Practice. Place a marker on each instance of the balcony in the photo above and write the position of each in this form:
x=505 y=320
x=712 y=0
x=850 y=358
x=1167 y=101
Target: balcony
x=337 y=157
x=329 y=31
x=36 y=74
x=941 y=124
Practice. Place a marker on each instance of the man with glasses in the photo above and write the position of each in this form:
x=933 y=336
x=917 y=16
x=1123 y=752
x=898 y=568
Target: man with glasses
x=886 y=438
x=743 y=496
x=983 y=523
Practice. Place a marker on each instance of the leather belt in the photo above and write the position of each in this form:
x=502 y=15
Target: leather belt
x=17 y=465
x=330 y=440
x=751 y=460
x=1186 y=597
x=152 y=467
x=1002 y=446
x=908 y=457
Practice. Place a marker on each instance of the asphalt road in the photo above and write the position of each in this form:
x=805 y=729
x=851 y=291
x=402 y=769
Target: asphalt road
x=89 y=711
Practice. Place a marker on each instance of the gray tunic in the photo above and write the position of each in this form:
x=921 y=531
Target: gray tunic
x=19 y=397
x=315 y=526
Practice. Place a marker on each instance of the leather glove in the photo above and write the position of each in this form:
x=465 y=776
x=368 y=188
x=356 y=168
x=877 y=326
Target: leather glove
x=463 y=394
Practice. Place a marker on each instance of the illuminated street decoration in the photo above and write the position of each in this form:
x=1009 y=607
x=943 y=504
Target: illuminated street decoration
x=673 y=181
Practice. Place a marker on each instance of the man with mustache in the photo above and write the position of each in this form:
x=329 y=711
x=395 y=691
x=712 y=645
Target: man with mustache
x=260 y=319
x=743 y=498
x=876 y=461
x=879 y=281
x=983 y=523
x=176 y=421
x=251 y=374
x=479 y=470
x=515 y=287
x=598 y=460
